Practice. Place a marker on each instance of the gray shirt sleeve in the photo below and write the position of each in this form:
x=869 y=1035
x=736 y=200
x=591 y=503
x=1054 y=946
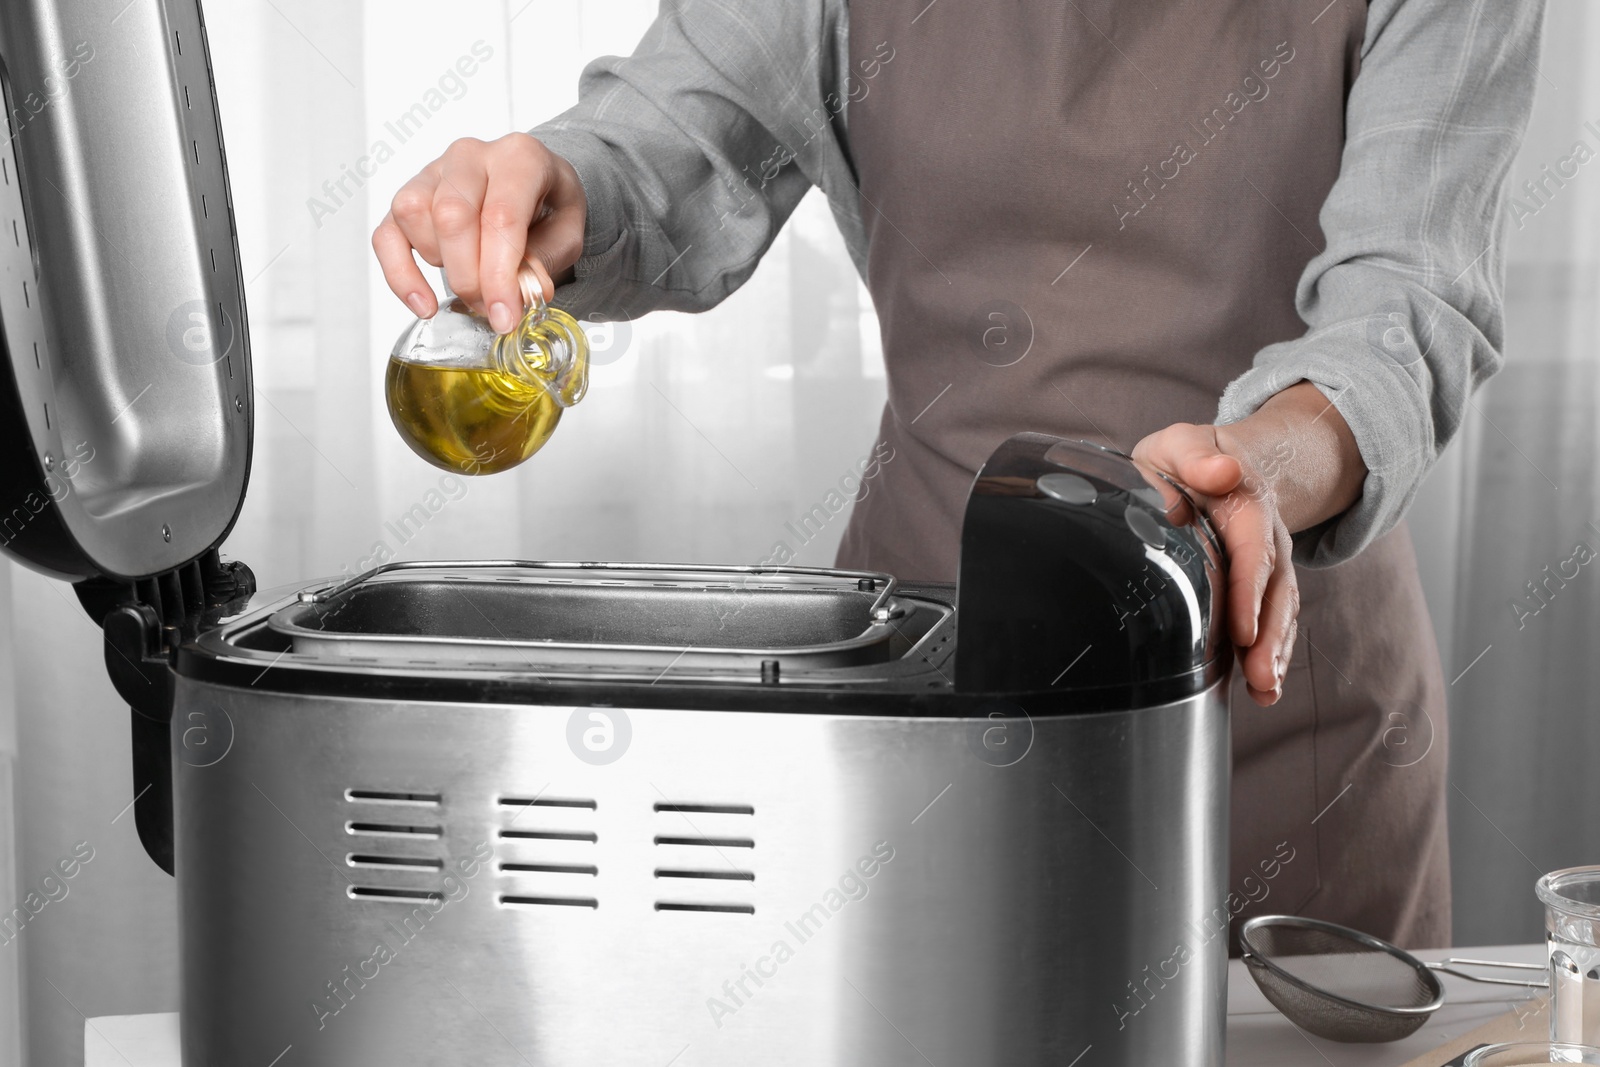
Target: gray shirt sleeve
x=1404 y=304
x=694 y=151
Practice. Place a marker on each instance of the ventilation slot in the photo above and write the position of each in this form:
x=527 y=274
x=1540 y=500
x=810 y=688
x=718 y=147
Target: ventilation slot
x=549 y=835
x=709 y=809
x=385 y=829
x=384 y=797
x=395 y=863
x=399 y=896
x=721 y=876
x=544 y=902
x=545 y=802
x=713 y=842
x=728 y=909
x=549 y=868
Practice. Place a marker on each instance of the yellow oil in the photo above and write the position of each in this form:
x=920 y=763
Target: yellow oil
x=469 y=421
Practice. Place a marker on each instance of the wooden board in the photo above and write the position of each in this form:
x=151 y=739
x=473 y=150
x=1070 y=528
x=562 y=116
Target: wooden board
x=1528 y=1021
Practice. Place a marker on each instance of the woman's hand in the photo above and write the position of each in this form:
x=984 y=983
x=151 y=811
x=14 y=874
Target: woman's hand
x=1290 y=466
x=479 y=211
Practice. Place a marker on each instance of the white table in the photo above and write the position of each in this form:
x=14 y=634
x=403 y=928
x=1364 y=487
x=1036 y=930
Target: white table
x=1257 y=1035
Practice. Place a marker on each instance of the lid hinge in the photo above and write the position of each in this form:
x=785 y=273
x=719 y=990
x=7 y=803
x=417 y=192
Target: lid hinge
x=145 y=621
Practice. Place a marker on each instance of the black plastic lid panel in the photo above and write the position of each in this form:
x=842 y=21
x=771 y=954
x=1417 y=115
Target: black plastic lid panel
x=1074 y=575
x=125 y=392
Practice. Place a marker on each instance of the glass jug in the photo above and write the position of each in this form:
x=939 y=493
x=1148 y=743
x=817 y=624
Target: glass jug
x=476 y=402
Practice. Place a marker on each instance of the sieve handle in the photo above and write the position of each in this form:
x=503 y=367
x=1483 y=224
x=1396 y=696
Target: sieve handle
x=1450 y=966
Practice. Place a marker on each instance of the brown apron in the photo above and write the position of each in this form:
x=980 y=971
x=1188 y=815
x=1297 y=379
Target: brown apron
x=1085 y=217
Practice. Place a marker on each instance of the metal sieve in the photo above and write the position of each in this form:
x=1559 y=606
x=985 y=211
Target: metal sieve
x=1344 y=985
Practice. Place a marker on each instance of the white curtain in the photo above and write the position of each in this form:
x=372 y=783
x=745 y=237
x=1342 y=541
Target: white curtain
x=701 y=437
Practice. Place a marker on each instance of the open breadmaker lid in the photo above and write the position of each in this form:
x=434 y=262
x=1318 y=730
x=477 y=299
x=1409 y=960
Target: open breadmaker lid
x=125 y=401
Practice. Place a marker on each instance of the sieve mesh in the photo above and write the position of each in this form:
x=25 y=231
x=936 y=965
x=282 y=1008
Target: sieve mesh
x=1336 y=983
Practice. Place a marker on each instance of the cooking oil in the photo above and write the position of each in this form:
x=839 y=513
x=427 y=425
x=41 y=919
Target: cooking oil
x=474 y=402
x=469 y=421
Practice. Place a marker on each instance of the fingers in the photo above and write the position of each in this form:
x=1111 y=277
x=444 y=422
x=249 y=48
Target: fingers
x=405 y=232
x=1286 y=655
x=518 y=180
x=480 y=212
x=400 y=269
x=457 y=217
x=1190 y=454
x=1263 y=599
x=1247 y=527
x=1267 y=660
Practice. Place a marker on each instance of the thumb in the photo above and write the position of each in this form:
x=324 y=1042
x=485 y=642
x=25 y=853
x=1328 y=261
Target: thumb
x=1191 y=455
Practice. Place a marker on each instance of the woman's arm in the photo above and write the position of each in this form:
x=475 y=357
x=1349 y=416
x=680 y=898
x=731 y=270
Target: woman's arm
x=1404 y=305
x=662 y=187
x=1321 y=446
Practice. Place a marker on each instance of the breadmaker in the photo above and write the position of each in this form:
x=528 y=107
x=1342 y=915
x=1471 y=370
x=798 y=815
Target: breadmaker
x=596 y=814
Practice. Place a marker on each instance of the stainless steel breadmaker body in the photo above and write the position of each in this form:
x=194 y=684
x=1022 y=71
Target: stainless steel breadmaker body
x=591 y=815
x=608 y=814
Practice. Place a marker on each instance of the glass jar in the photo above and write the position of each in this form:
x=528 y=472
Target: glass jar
x=1529 y=1054
x=1571 y=901
x=476 y=402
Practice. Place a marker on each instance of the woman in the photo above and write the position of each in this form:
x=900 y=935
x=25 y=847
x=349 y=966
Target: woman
x=1253 y=241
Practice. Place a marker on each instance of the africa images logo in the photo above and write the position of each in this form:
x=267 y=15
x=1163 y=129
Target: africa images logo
x=599 y=736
